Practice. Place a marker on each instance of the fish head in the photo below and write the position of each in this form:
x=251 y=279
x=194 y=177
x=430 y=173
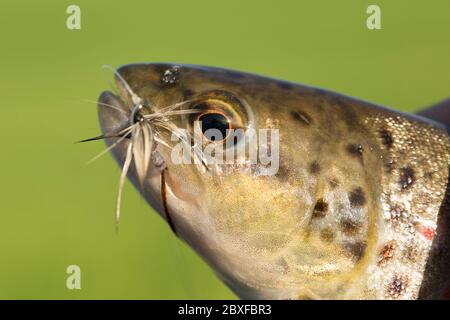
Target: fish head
x=252 y=193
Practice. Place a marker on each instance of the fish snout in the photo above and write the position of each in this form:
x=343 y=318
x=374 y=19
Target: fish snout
x=112 y=112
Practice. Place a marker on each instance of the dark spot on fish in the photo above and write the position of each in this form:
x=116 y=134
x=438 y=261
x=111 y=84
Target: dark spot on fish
x=170 y=76
x=301 y=117
x=397 y=286
x=355 y=150
x=397 y=213
x=386 y=138
x=314 y=167
x=283 y=264
x=187 y=94
x=430 y=176
x=407 y=178
x=283 y=172
x=320 y=209
x=350 y=116
x=386 y=253
x=357 y=197
x=357 y=249
x=327 y=235
x=349 y=226
x=285 y=85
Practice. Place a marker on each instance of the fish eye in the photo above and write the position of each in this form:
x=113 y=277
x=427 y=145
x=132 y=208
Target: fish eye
x=213 y=122
x=220 y=117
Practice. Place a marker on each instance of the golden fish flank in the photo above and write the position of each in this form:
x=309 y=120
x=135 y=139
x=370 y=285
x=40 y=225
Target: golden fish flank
x=355 y=210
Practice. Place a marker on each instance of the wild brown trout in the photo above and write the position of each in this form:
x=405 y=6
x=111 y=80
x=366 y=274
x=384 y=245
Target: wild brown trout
x=333 y=198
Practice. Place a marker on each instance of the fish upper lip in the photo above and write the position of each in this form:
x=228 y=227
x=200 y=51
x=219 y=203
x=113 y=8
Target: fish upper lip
x=112 y=112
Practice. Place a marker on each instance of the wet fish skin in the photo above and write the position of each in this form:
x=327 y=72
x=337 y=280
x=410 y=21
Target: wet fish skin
x=359 y=208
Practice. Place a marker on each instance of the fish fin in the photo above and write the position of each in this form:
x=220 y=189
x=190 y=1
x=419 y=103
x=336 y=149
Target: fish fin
x=439 y=112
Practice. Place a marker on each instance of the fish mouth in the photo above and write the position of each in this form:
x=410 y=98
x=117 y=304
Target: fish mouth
x=115 y=118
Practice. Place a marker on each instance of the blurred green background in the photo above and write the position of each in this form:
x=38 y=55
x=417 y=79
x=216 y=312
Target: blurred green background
x=57 y=211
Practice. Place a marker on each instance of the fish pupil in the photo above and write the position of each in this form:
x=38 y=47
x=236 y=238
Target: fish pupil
x=138 y=118
x=214 y=121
